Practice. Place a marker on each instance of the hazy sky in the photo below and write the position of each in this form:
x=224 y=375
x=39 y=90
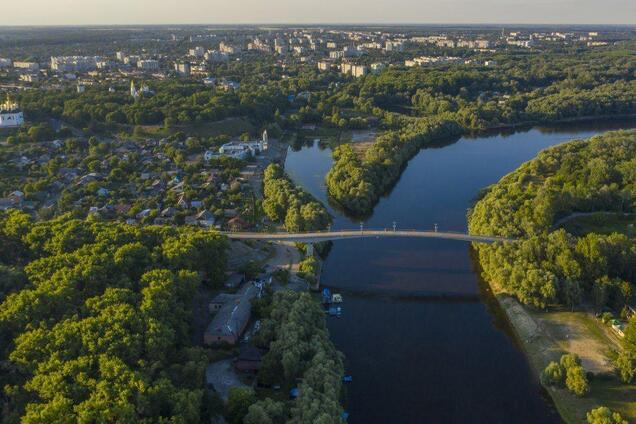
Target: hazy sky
x=77 y=12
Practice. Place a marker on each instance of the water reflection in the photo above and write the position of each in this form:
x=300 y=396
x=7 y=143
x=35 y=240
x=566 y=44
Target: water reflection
x=423 y=338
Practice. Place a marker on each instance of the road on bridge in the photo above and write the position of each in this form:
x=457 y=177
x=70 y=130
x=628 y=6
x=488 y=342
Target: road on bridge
x=317 y=236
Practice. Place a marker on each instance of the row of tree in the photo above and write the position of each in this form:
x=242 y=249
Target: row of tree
x=287 y=203
x=301 y=356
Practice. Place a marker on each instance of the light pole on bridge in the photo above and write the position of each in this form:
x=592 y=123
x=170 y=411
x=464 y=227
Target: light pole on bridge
x=361 y=227
x=435 y=227
x=394 y=226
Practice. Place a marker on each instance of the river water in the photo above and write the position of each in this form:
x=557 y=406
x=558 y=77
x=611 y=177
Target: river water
x=423 y=339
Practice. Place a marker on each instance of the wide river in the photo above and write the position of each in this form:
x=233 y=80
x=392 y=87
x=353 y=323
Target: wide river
x=423 y=338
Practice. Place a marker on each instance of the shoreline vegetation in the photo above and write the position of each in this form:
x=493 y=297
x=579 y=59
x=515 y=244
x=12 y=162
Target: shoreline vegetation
x=559 y=289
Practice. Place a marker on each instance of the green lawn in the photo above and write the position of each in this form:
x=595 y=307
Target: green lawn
x=601 y=223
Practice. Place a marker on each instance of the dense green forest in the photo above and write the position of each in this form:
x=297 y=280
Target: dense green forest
x=299 y=349
x=548 y=265
x=284 y=202
x=95 y=320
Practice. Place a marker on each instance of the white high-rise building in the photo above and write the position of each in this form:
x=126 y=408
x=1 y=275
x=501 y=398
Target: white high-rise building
x=10 y=115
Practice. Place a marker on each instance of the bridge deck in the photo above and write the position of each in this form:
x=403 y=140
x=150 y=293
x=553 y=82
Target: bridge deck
x=317 y=236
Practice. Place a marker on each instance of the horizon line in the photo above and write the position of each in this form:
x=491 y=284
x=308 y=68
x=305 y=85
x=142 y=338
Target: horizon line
x=306 y=24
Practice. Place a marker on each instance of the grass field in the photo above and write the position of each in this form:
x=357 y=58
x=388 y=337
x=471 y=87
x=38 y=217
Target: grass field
x=601 y=223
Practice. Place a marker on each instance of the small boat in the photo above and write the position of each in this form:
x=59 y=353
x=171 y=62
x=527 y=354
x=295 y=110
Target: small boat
x=326 y=296
x=347 y=379
x=335 y=311
x=336 y=298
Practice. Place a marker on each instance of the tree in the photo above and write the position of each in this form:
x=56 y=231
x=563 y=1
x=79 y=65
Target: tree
x=238 y=404
x=630 y=334
x=576 y=381
x=570 y=360
x=604 y=415
x=626 y=366
x=572 y=293
x=266 y=411
x=553 y=375
x=293 y=220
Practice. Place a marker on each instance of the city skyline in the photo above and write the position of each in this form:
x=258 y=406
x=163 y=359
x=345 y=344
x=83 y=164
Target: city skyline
x=99 y=12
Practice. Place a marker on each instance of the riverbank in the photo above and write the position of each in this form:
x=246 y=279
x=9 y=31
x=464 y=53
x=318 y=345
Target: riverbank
x=545 y=336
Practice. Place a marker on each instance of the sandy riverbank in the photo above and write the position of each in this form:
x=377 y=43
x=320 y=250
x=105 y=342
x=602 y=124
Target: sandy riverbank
x=545 y=336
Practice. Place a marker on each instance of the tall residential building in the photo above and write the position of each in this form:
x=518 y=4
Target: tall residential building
x=148 y=65
x=27 y=66
x=10 y=115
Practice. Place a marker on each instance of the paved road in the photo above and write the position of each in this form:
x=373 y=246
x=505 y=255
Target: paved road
x=312 y=237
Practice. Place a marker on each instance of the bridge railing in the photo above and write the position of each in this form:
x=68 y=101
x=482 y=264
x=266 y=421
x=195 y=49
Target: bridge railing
x=358 y=230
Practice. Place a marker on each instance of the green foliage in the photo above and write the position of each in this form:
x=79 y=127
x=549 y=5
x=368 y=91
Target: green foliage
x=568 y=371
x=630 y=334
x=97 y=327
x=625 y=365
x=569 y=360
x=576 y=381
x=239 y=402
x=266 y=411
x=548 y=265
x=299 y=348
x=604 y=415
x=553 y=375
x=284 y=202
x=309 y=267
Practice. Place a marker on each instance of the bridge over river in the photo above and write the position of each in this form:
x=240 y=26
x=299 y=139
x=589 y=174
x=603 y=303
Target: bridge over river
x=318 y=236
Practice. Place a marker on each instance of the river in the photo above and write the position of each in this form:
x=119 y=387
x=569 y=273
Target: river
x=423 y=339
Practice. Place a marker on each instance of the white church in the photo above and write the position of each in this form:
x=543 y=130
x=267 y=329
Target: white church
x=10 y=115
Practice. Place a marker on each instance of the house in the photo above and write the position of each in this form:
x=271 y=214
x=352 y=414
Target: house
x=221 y=299
x=237 y=224
x=234 y=280
x=209 y=155
x=230 y=213
x=205 y=218
x=249 y=360
x=168 y=212
x=122 y=209
x=183 y=204
x=230 y=321
x=143 y=214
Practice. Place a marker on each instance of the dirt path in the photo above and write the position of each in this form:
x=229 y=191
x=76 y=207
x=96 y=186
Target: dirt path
x=286 y=255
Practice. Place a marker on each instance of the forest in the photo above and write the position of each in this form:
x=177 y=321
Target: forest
x=548 y=265
x=284 y=202
x=95 y=319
